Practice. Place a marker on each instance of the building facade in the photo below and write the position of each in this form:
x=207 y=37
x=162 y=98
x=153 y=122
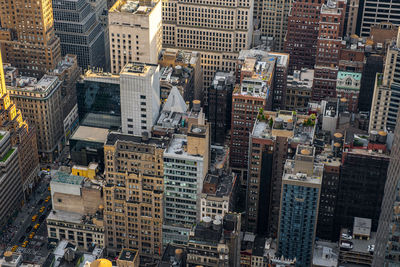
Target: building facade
x=140 y=97
x=226 y=31
x=80 y=32
x=33 y=50
x=348 y=87
x=299 y=89
x=135 y=33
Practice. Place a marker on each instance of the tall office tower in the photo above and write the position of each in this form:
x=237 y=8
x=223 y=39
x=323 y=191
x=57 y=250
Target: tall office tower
x=133 y=194
x=301 y=190
x=274 y=20
x=273 y=139
x=386 y=98
x=45 y=98
x=32 y=49
x=140 y=97
x=256 y=78
x=10 y=185
x=21 y=136
x=387 y=245
x=68 y=72
x=376 y=11
x=329 y=45
x=364 y=168
x=80 y=32
x=99 y=100
x=218 y=108
x=353 y=12
x=219 y=38
x=348 y=87
x=186 y=162
x=134 y=33
x=280 y=80
x=302 y=34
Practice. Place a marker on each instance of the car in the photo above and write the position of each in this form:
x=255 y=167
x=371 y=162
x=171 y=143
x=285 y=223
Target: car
x=31 y=235
x=34 y=217
x=14 y=248
x=347 y=236
x=25 y=244
x=22 y=238
x=36 y=226
x=42 y=209
x=47 y=199
x=49 y=188
x=28 y=229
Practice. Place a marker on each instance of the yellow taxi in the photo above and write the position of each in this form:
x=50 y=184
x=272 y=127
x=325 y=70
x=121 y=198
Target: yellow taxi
x=34 y=217
x=25 y=244
x=42 y=209
x=36 y=226
x=31 y=235
x=14 y=248
x=47 y=199
x=49 y=188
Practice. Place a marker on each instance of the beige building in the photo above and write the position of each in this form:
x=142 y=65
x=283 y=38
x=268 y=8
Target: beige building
x=219 y=30
x=77 y=214
x=352 y=16
x=128 y=258
x=40 y=103
x=273 y=19
x=133 y=194
x=134 y=32
x=298 y=90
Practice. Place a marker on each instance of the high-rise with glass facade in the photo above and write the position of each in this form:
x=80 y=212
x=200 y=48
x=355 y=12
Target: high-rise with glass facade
x=301 y=189
x=27 y=36
x=80 y=32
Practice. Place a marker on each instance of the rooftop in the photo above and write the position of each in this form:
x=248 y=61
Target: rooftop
x=29 y=84
x=219 y=158
x=127 y=254
x=132 y=7
x=177 y=76
x=223 y=78
x=331 y=7
x=344 y=74
x=202 y=233
x=282 y=58
x=168 y=55
x=178 y=146
x=301 y=78
x=65 y=178
x=67 y=62
x=224 y=184
x=139 y=69
x=315 y=178
x=362 y=226
x=325 y=254
x=91 y=134
x=114 y=137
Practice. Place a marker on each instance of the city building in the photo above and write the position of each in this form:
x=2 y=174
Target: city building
x=386 y=98
x=135 y=33
x=325 y=254
x=273 y=19
x=80 y=32
x=133 y=194
x=359 y=250
x=254 y=92
x=10 y=185
x=348 y=86
x=186 y=163
x=386 y=250
x=301 y=189
x=363 y=170
x=218 y=106
x=89 y=171
x=280 y=80
x=215 y=243
x=68 y=72
x=188 y=78
x=226 y=31
x=377 y=11
x=99 y=100
x=302 y=34
x=77 y=214
x=352 y=55
x=21 y=135
x=86 y=146
x=140 y=97
x=33 y=50
x=173 y=255
x=299 y=89
x=274 y=138
x=44 y=111
x=128 y=258
x=353 y=17
x=329 y=44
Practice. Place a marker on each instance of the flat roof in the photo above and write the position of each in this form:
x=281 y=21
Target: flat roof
x=362 y=226
x=114 y=137
x=92 y=134
x=65 y=178
x=128 y=254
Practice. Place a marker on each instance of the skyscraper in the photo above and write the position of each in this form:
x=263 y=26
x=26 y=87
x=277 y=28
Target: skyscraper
x=135 y=33
x=140 y=97
x=302 y=34
x=376 y=11
x=273 y=20
x=27 y=36
x=80 y=32
x=301 y=189
x=221 y=28
x=329 y=44
x=387 y=245
x=21 y=135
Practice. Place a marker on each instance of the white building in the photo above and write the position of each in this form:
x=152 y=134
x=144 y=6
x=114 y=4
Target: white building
x=140 y=97
x=134 y=32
